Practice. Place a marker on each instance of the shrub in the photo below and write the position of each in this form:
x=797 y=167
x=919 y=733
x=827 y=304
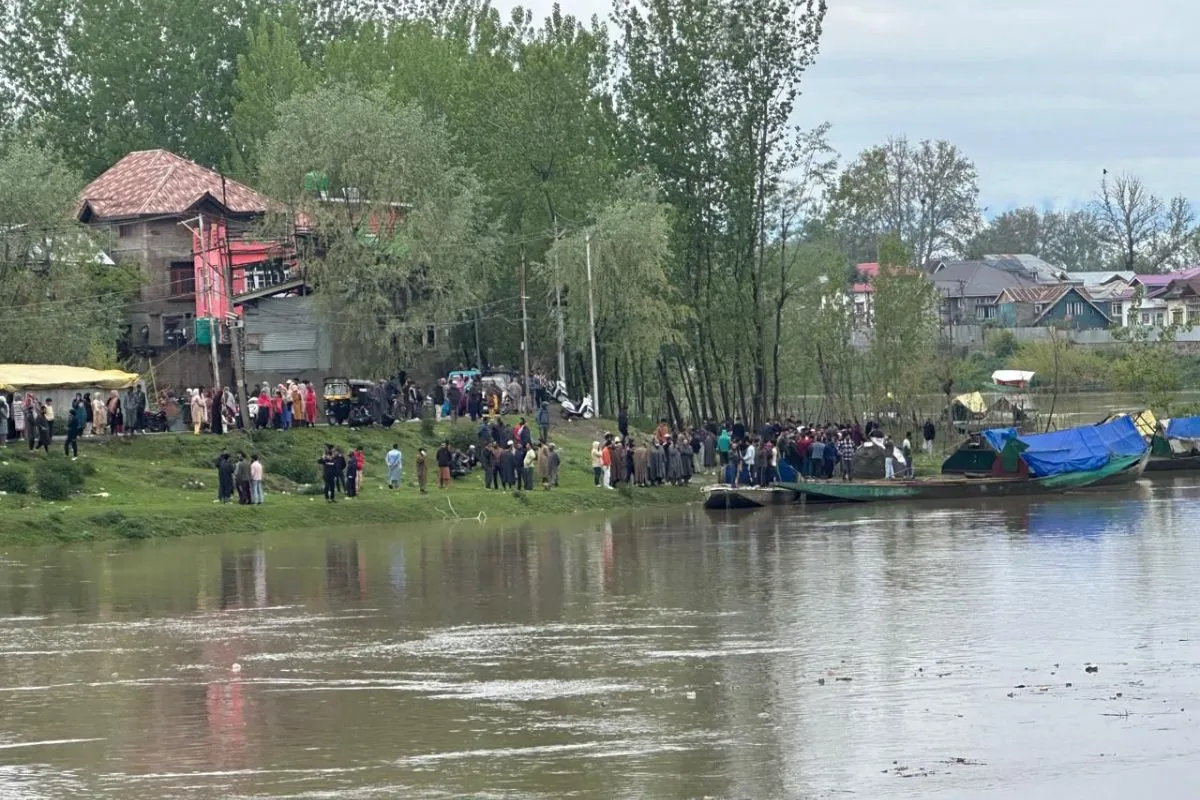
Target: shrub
x=107 y=519
x=427 y=430
x=462 y=436
x=297 y=470
x=14 y=480
x=58 y=478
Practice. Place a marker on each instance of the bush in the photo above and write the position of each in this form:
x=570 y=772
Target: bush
x=107 y=519
x=297 y=470
x=462 y=436
x=58 y=478
x=14 y=480
x=427 y=430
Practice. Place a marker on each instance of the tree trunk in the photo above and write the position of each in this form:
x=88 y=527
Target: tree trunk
x=668 y=395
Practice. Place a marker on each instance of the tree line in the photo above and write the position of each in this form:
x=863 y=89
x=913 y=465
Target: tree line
x=479 y=156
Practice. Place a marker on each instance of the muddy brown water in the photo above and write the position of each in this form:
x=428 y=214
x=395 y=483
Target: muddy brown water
x=879 y=652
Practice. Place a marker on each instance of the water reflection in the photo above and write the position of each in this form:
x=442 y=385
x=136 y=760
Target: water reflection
x=779 y=654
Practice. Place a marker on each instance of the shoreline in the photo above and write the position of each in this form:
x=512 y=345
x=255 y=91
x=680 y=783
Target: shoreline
x=158 y=486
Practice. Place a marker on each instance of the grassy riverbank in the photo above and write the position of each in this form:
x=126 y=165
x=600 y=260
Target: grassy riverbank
x=165 y=485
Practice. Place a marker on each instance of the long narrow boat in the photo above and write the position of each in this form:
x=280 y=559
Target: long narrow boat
x=955 y=487
x=723 y=497
x=1173 y=463
x=1127 y=475
x=1167 y=456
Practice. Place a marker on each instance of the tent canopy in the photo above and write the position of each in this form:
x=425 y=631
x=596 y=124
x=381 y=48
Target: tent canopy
x=1183 y=428
x=973 y=402
x=35 y=377
x=1075 y=449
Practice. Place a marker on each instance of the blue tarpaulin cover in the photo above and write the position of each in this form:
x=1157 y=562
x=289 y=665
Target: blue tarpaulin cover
x=1183 y=428
x=1075 y=449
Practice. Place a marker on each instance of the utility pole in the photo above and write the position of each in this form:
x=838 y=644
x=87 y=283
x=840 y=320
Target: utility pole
x=587 y=240
x=524 y=334
x=235 y=331
x=478 y=356
x=212 y=320
x=562 y=332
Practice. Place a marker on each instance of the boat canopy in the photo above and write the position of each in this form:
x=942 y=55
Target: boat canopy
x=973 y=402
x=1183 y=428
x=1012 y=377
x=1073 y=450
x=43 y=377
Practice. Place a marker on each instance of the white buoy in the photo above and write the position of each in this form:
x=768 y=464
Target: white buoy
x=236 y=667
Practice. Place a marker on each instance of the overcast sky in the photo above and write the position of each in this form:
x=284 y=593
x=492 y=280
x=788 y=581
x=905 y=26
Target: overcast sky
x=1041 y=94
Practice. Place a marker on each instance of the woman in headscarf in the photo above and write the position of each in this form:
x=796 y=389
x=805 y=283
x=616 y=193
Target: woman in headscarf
x=543 y=465
x=674 y=461
x=297 y=406
x=197 y=405
x=30 y=407
x=89 y=412
x=687 y=457
x=99 y=415
x=230 y=408
x=115 y=417
x=310 y=405
x=641 y=465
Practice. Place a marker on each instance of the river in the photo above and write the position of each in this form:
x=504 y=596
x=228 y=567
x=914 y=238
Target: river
x=878 y=652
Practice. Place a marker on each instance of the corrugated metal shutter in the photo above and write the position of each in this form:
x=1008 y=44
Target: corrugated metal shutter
x=290 y=341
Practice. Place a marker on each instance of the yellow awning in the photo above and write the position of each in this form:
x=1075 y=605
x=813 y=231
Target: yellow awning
x=973 y=402
x=1145 y=422
x=30 y=377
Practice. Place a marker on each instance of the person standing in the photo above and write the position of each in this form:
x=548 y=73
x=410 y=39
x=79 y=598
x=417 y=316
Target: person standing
x=597 y=464
x=444 y=460
x=543 y=464
x=889 y=458
x=906 y=450
x=225 y=473
x=256 y=480
x=530 y=461
x=750 y=458
x=241 y=479
x=18 y=417
x=4 y=415
x=339 y=467
x=352 y=475
x=623 y=422
x=724 y=442
x=606 y=464
x=846 y=451
x=197 y=406
x=422 y=470
x=543 y=420
x=328 y=464
x=48 y=413
x=553 y=462
x=928 y=431
x=310 y=405
x=507 y=465
x=139 y=410
x=395 y=464
x=75 y=423
x=487 y=458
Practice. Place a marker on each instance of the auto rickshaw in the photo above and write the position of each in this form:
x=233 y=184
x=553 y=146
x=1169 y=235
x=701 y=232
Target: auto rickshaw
x=346 y=397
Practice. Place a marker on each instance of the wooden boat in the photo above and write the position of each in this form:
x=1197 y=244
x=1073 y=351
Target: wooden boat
x=1127 y=475
x=1173 y=463
x=955 y=487
x=723 y=497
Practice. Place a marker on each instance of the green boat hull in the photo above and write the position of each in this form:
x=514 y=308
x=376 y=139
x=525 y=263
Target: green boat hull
x=960 y=487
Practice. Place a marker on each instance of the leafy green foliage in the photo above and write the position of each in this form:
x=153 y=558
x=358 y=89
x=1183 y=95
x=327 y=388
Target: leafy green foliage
x=58 y=478
x=14 y=479
x=406 y=238
x=294 y=468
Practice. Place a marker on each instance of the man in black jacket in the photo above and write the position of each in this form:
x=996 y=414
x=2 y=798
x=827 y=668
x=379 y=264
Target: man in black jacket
x=328 y=464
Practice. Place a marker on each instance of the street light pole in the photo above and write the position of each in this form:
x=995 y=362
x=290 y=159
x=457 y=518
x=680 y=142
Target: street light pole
x=587 y=239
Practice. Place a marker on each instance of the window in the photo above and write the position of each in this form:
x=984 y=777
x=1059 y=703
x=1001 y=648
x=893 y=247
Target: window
x=126 y=231
x=1075 y=309
x=1038 y=308
x=1177 y=316
x=183 y=279
x=985 y=312
x=430 y=336
x=1160 y=318
x=1145 y=317
x=1114 y=310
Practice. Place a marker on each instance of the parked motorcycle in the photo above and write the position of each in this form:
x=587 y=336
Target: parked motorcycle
x=583 y=410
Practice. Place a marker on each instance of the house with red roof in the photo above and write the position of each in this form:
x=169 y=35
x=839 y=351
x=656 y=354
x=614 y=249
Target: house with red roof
x=862 y=293
x=190 y=229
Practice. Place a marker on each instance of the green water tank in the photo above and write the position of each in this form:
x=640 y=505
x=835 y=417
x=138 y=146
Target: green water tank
x=203 y=331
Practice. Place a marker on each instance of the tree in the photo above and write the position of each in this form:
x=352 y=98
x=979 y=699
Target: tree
x=405 y=244
x=98 y=78
x=1142 y=231
x=1069 y=239
x=269 y=71
x=638 y=312
x=64 y=303
x=904 y=332
x=706 y=95
x=926 y=194
x=1147 y=362
x=1061 y=364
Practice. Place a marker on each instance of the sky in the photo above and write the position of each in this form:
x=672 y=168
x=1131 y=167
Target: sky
x=1041 y=95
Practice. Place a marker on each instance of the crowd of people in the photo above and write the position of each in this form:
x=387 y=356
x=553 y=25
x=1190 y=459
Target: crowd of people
x=35 y=420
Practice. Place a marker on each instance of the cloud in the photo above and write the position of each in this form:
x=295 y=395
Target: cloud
x=1041 y=94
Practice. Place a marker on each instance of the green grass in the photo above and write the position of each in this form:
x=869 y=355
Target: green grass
x=165 y=485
